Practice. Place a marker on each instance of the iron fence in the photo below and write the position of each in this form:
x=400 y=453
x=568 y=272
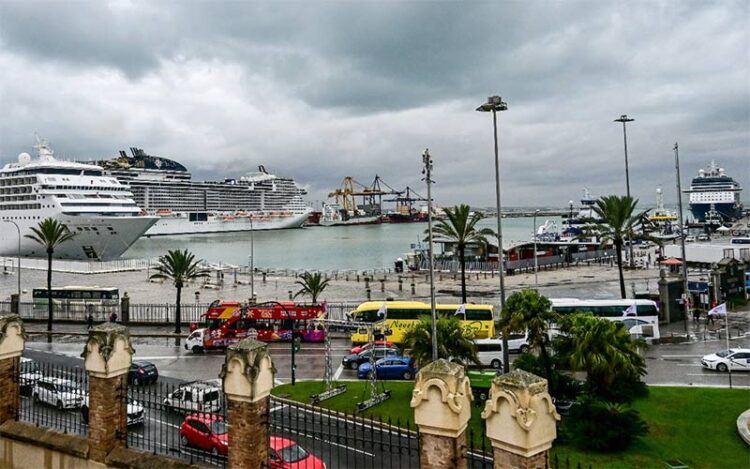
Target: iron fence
x=557 y=463
x=186 y=421
x=478 y=450
x=53 y=396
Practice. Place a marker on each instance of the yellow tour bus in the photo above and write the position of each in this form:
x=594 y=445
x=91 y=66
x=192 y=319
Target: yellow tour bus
x=397 y=317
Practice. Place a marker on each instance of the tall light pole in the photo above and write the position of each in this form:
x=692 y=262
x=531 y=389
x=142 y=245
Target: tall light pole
x=494 y=104
x=683 y=233
x=427 y=171
x=536 y=262
x=625 y=119
x=252 y=262
x=19 y=262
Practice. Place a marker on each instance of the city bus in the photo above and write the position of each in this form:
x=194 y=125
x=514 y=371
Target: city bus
x=228 y=322
x=397 y=317
x=642 y=321
x=76 y=302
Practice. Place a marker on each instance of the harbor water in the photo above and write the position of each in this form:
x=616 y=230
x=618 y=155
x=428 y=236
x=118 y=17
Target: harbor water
x=319 y=248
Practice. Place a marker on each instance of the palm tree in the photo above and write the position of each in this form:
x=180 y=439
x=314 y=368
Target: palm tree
x=50 y=233
x=617 y=223
x=180 y=267
x=601 y=348
x=312 y=284
x=460 y=227
x=527 y=310
x=453 y=342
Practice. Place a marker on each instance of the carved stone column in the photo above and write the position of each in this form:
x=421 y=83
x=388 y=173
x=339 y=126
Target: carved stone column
x=107 y=357
x=521 y=421
x=248 y=377
x=442 y=408
x=12 y=342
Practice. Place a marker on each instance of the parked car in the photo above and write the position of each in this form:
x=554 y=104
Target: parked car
x=287 y=454
x=29 y=376
x=196 y=396
x=377 y=343
x=354 y=360
x=208 y=432
x=703 y=237
x=392 y=367
x=490 y=352
x=689 y=239
x=61 y=393
x=518 y=342
x=136 y=414
x=142 y=372
x=738 y=359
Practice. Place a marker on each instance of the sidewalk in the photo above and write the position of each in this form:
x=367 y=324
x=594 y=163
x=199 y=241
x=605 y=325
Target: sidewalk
x=739 y=325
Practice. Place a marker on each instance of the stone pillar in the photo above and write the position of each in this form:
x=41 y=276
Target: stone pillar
x=521 y=421
x=107 y=357
x=442 y=408
x=248 y=377
x=125 y=308
x=12 y=341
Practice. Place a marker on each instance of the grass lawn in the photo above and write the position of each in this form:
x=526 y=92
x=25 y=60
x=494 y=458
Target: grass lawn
x=695 y=425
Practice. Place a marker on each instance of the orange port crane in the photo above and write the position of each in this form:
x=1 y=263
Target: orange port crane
x=351 y=188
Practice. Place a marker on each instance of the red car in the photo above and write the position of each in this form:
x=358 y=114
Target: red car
x=205 y=431
x=377 y=343
x=287 y=454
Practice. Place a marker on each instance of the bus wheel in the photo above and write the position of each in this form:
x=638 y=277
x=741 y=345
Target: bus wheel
x=197 y=349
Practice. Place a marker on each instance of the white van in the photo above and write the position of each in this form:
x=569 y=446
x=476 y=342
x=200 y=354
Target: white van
x=197 y=396
x=490 y=352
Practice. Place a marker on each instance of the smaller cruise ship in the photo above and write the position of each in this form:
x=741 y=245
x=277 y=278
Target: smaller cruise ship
x=98 y=209
x=716 y=194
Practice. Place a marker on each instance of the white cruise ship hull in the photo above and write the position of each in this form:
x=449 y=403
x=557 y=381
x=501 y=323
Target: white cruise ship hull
x=180 y=224
x=96 y=237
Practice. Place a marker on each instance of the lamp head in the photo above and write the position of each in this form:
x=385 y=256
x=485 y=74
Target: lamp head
x=494 y=103
x=624 y=118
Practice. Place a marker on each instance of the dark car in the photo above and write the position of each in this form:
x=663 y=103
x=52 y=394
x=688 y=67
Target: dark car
x=142 y=372
x=355 y=359
x=391 y=367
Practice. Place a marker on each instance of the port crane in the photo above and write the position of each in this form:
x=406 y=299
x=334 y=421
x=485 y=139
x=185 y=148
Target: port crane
x=372 y=195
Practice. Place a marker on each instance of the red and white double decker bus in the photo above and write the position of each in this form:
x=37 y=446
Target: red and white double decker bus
x=228 y=322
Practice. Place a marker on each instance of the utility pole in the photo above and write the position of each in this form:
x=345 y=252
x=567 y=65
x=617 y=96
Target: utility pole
x=625 y=119
x=252 y=263
x=683 y=233
x=427 y=171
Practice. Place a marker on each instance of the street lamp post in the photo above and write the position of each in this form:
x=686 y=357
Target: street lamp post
x=252 y=262
x=19 y=260
x=625 y=119
x=427 y=160
x=494 y=104
x=682 y=236
x=536 y=262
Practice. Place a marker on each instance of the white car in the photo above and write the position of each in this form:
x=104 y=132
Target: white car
x=197 y=396
x=738 y=359
x=61 y=393
x=29 y=376
x=518 y=342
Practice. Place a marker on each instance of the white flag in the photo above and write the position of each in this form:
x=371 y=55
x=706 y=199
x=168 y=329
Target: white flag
x=461 y=311
x=718 y=311
x=630 y=311
x=383 y=311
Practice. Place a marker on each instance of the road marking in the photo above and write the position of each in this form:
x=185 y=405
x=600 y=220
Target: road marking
x=306 y=435
x=339 y=370
x=680 y=356
x=694 y=365
x=162 y=422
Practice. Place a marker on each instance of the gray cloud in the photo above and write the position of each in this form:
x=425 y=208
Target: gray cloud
x=323 y=90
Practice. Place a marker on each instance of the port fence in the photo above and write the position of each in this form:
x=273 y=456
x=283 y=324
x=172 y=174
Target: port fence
x=53 y=396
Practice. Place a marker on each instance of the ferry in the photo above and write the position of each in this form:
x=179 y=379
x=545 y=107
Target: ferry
x=164 y=188
x=715 y=192
x=98 y=209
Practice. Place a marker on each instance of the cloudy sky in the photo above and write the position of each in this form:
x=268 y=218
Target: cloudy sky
x=323 y=90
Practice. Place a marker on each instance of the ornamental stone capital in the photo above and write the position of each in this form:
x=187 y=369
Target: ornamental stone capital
x=441 y=399
x=108 y=351
x=520 y=415
x=12 y=336
x=248 y=372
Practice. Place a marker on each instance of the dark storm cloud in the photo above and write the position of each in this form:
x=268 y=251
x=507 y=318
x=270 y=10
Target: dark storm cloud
x=323 y=90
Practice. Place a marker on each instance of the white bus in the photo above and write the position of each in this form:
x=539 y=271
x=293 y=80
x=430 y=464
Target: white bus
x=642 y=323
x=76 y=302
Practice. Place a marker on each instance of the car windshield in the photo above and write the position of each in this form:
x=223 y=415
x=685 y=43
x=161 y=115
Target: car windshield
x=219 y=427
x=293 y=453
x=723 y=353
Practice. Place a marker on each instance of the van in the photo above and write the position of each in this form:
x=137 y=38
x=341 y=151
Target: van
x=490 y=352
x=197 y=396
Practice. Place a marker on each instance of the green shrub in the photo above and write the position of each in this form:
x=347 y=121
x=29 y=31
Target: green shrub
x=603 y=426
x=561 y=387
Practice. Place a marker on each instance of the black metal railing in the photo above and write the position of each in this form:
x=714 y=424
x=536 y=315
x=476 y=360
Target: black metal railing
x=53 y=396
x=478 y=450
x=565 y=463
x=180 y=420
x=342 y=440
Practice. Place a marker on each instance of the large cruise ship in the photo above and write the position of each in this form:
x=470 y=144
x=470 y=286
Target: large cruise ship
x=98 y=209
x=716 y=193
x=164 y=188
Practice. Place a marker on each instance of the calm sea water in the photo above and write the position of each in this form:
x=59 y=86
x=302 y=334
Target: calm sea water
x=324 y=248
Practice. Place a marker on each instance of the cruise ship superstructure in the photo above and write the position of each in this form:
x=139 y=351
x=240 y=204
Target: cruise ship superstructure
x=715 y=193
x=98 y=209
x=164 y=188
